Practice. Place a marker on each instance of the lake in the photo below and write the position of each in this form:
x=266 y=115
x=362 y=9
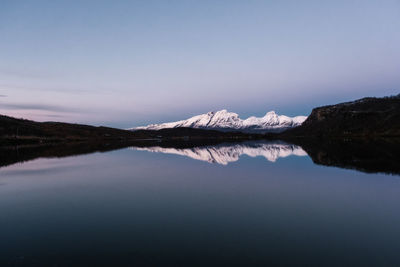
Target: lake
x=235 y=204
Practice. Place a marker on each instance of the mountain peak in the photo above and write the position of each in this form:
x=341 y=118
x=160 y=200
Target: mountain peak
x=230 y=121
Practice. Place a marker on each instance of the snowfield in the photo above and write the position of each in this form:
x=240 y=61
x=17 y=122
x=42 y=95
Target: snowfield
x=224 y=120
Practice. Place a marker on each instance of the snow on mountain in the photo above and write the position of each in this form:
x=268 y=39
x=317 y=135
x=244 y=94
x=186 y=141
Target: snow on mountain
x=224 y=120
x=226 y=153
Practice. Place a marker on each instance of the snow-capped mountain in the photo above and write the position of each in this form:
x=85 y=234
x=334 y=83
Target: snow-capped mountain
x=226 y=153
x=224 y=120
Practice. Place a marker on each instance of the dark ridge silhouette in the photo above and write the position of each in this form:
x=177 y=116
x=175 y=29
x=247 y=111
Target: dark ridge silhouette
x=31 y=131
x=367 y=117
x=19 y=131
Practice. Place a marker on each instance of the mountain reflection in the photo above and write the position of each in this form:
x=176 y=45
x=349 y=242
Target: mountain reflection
x=230 y=152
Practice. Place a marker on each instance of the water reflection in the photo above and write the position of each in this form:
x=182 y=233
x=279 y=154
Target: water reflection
x=135 y=208
x=362 y=155
x=230 y=152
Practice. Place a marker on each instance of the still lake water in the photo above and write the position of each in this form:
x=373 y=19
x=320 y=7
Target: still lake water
x=208 y=207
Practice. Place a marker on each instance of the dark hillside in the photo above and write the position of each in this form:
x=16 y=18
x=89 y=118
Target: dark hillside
x=25 y=129
x=367 y=117
x=20 y=131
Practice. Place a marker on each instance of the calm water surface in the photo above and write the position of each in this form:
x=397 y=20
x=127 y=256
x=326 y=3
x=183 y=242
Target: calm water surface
x=241 y=206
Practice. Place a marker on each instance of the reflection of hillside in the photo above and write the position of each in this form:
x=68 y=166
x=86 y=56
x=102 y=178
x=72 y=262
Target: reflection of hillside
x=226 y=153
x=379 y=155
x=13 y=154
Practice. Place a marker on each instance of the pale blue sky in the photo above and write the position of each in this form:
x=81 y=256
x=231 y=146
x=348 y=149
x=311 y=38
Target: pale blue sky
x=127 y=63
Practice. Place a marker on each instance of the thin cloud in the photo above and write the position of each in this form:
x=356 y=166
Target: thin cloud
x=3 y=95
x=42 y=107
x=54 y=116
x=10 y=86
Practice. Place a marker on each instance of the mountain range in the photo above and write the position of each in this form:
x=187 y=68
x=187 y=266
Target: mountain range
x=229 y=121
x=365 y=118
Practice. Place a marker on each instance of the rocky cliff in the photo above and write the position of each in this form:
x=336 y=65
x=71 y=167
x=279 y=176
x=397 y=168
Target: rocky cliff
x=361 y=118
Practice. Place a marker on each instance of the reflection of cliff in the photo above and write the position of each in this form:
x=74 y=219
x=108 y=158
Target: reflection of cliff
x=226 y=153
x=381 y=155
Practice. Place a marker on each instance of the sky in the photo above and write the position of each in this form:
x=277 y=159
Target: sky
x=131 y=63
